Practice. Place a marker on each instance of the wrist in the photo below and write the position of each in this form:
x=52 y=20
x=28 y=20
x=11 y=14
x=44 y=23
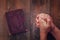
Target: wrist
x=43 y=35
x=44 y=31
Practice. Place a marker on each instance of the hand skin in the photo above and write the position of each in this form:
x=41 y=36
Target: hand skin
x=43 y=35
x=55 y=32
x=44 y=29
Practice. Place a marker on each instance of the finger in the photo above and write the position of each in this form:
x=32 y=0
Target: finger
x=37 y=21
x=48 y=22
x=53 y=26
x=42 y=22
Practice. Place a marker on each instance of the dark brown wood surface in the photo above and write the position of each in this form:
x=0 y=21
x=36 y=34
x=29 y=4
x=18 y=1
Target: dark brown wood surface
x=55 y=12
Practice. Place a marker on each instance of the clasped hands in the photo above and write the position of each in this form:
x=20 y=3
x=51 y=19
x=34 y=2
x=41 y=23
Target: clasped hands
x=44 y=22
